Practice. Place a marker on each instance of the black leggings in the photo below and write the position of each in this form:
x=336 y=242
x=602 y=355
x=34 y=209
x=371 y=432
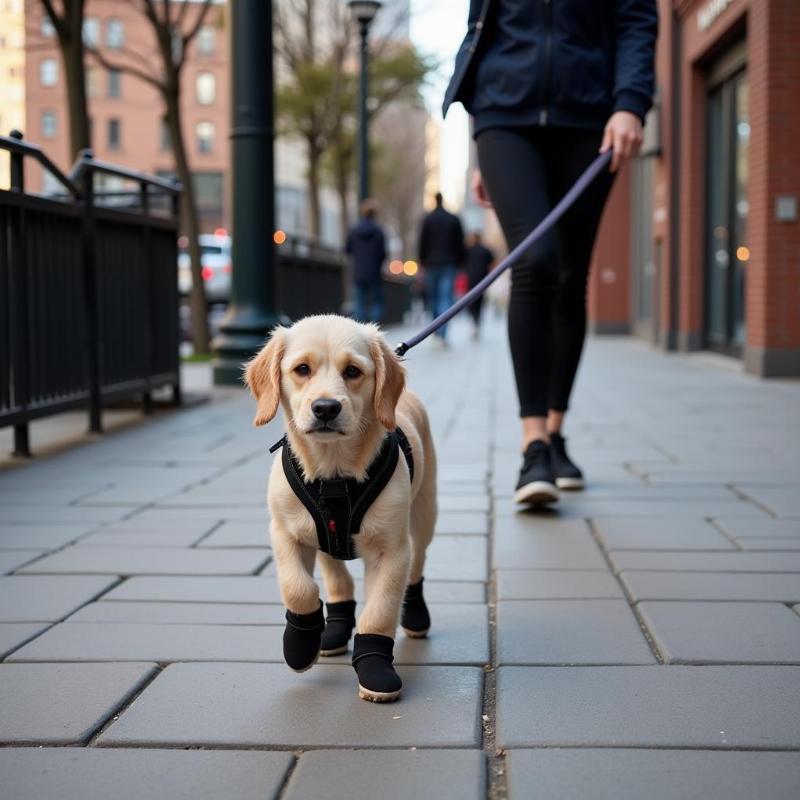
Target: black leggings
x=526 y=171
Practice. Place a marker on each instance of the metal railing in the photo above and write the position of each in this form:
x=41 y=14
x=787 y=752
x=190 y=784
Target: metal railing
x=88 y=294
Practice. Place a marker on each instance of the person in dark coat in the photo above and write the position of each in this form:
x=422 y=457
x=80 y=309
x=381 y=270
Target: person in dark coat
x=366 y=245
x=549 y=84
x=441 y=254
x=479 y=259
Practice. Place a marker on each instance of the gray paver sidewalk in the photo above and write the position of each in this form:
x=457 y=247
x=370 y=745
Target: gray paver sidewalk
x=643 y=640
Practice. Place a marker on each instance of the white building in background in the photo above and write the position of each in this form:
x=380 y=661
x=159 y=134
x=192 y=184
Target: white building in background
x=12 y=75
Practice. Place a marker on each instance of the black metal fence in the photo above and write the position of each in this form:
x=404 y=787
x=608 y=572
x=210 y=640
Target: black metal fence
x=88 y=291
x=311 y=279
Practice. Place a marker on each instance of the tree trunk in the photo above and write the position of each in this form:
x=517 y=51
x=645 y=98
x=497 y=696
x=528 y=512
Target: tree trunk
x=72 y=52
x=314 y=213
x=189 y=224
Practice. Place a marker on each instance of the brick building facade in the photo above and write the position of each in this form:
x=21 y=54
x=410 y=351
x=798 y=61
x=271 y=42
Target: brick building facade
x=700 y=244
x=126 y=112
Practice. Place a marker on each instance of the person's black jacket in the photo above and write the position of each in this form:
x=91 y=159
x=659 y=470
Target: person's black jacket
x=568 y=63
x=441 y=239
x=367 y=245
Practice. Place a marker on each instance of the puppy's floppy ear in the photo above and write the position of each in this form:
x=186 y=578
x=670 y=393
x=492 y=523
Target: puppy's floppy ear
x=263 y=376
x=390 y=380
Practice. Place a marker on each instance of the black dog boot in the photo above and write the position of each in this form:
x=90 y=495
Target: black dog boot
x=339 y=626
x=372 y=661
x=415 y=620
x=302 y=638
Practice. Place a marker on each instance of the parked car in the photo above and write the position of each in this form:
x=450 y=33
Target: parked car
x=215 y=264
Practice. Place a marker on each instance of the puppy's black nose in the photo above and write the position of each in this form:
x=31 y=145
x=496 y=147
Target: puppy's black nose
x=326 y=409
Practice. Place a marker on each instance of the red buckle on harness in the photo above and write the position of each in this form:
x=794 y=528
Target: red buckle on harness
x=332 y=525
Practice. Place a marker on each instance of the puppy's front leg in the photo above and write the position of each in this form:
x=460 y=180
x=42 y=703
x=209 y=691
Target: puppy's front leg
x=386 y=575
x=340 y=605
x=305 y=622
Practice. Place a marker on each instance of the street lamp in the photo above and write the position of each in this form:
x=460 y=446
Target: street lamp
x=363 y=12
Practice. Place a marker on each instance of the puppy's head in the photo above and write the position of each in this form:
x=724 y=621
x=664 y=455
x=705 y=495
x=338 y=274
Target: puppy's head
x=334 y=377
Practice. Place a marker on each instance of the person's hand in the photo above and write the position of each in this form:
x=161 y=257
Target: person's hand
x=623 y=132
x=479 y=190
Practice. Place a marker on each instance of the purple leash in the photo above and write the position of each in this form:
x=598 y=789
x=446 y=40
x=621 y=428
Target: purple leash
x=558 y=211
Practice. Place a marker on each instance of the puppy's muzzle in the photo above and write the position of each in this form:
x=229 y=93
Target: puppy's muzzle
x=326 y=409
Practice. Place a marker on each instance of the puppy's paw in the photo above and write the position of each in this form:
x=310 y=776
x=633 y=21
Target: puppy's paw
x=339 y=626
x=372 y=660
x=415 y=619
x=302 y=639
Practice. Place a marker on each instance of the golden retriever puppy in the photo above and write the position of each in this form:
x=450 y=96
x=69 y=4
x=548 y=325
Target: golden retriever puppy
x=357 y=477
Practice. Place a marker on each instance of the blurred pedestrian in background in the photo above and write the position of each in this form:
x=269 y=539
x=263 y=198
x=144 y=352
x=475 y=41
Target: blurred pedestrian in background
x=548 y=84
x=441 y=254
x=366 y=245
x=479 y=260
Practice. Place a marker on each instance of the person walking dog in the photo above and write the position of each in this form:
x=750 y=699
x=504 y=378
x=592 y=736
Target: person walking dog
x=366 y=245
x=479 y=259
x=548 y=85
x=441 y=253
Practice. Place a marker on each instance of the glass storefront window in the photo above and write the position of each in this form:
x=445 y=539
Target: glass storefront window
x=727 y=251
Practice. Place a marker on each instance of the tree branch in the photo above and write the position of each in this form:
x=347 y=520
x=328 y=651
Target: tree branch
x=126 y=68
x=198 y=23
x=58 y=22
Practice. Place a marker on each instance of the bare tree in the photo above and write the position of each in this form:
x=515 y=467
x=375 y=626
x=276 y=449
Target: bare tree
x=397 y=74
x=312 y=42
x=174 y=25
x=400 y=170
x=67 y=21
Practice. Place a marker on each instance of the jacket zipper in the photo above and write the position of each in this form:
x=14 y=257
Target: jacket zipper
x=548 y=55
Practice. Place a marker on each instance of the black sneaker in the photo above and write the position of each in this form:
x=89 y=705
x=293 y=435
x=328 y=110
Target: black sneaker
x=567 y=474
x=536 y=483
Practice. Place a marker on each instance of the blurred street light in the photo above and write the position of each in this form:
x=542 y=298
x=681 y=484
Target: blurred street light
x=363 y=12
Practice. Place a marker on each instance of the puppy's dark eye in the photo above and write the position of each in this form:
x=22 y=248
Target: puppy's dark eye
x=302 y=370
x=352 y=371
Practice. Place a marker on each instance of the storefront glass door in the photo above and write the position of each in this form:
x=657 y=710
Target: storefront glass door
x=727 y=252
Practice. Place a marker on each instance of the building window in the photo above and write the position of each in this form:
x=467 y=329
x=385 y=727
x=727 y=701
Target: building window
x=49 y=124
x=206 y=41
x=115 y=33
x=114 y=134
x=47 y=30
x=93 y=81
x=48 y=72
x=164 y=139
x=204 y=131
x=206 y=88
x=114 y=83
x=91 y=31
x=208 y=194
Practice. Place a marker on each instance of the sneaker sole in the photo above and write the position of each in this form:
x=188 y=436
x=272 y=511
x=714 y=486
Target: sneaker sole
x=537 y=492
x=415 y=634
x=570 y=484
x=336 y=651
x=377 y=697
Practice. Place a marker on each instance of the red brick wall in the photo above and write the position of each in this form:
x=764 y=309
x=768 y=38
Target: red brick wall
x=773 y=271
x=609 y=284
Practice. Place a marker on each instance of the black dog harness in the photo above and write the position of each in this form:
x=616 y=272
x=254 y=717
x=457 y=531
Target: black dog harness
x=338 y=505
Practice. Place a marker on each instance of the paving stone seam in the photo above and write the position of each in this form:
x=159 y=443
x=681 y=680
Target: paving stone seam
x=263 y=748
x=215 y=527
x=742 y=495
x=651 y=642
x=732 y=539
x=284 y=786
x=62 y=619
x=496 y=779
x=47 y=627
x=124 y=704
